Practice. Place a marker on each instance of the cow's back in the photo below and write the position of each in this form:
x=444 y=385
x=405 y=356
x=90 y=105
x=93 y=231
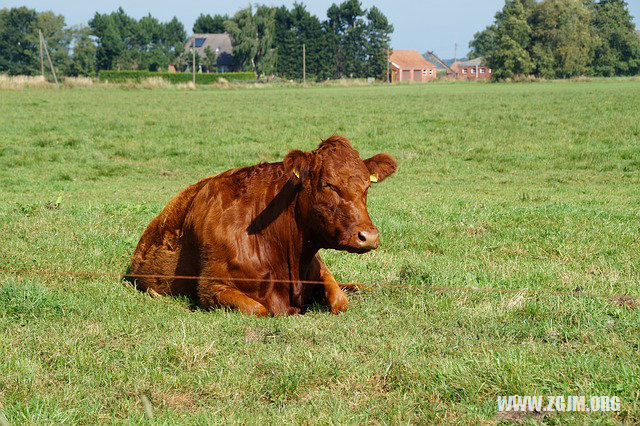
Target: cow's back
x=163 y=250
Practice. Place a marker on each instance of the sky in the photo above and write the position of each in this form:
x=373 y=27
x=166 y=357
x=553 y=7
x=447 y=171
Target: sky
x=419 y=24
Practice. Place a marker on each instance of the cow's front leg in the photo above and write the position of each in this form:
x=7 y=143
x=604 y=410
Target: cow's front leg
x=336 y=298
x=211 y=295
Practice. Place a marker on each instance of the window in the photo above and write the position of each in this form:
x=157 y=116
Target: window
x=473 y=70
x=200 y=41
x=464 y=70
x=424 y=73
x=430 y=72
x=481 y=70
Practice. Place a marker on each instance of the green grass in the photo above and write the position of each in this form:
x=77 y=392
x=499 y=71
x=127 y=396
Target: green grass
x=512 y=186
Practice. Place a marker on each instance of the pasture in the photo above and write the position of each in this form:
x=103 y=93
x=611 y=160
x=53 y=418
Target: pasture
x=507 y=186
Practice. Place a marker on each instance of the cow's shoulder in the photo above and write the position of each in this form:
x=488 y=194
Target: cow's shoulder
x=257 y=174
x=256 y=178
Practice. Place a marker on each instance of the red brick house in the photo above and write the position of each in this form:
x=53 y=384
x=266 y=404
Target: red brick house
x=474 y=69
x=410 y=65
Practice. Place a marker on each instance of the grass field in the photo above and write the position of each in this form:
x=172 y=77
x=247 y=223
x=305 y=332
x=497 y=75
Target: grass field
x=508 y=186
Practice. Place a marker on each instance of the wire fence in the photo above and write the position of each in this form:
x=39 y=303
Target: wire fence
x=622 y=299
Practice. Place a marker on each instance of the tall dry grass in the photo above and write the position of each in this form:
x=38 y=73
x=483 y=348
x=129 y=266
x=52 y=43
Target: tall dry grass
x=79 y=81
x=154 y=83
x=18 y=82
x=190 y=85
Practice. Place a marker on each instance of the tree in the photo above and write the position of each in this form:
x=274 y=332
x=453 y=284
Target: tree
x=175 y=37
x=58 y=39
x=124 y=43
x=288 y=43
x=18 y=43
x=563 y=39
x=210 y=60
x=346 y=39
x=252 y=36
x=355 y=42
x=483 y=43
x=309 y=31
x=510 y=56
x=560 y=38
x=19 y=40
x=113 y=33
x=618 y=50
x=110 y=46
x=351 y=42
x=83 y=61
x=208 y=24
x=158 y=44
x=354 y=38
x=293 y=29
x=378 y=38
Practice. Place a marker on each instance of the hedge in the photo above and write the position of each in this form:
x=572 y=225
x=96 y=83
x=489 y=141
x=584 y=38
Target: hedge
x=173 y=77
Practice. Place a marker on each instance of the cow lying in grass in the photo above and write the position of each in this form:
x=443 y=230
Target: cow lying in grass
x=264 y=223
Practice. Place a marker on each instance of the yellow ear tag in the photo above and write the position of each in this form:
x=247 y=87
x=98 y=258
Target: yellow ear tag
x=295 y=172
x=373 y=177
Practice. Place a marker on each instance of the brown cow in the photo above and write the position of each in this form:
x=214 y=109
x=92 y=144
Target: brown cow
x=264 y=222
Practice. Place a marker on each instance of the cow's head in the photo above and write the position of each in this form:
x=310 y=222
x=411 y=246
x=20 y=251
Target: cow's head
x=333 y=182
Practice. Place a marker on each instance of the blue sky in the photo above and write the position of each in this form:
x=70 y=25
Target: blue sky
x=419 y=24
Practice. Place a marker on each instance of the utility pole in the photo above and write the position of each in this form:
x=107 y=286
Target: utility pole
x=388 y=60
x=41 y=53
x=304 y=63
x=193 y=53
x=46 y=50
x=455 y=52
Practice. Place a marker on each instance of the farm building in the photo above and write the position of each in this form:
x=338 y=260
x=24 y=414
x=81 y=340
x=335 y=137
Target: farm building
x=472 y=69
x=220 y=44
x=410 y=65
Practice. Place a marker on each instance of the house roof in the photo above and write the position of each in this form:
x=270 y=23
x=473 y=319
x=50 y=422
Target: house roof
x=219 y=43
x=470 y=63
x=409 y=59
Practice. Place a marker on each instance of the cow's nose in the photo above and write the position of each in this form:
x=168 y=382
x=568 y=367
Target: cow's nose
x=368 y=239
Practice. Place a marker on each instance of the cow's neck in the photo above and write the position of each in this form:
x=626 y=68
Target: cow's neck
x=284 y=232
x=304 y=246
x=289 y=241
x=303 y=251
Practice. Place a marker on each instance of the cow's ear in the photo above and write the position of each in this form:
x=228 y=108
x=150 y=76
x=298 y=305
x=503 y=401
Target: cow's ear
x=381 y=166
x=296 y=165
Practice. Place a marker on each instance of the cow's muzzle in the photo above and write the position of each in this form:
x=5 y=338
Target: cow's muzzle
x=367 y=239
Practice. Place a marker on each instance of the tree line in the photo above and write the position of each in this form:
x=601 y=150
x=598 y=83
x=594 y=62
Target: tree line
x=351 y=42
x=560 y=39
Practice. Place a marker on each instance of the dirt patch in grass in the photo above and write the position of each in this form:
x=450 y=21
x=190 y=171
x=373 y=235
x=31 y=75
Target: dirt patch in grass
x=181 y=401
x=519 y=417
x=626 y=302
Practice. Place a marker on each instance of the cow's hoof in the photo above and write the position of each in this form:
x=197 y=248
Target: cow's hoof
x=293 y=311
x=338 y=302
x=257 y=310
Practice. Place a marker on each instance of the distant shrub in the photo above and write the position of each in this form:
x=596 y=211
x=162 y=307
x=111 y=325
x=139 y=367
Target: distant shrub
x=175 y=77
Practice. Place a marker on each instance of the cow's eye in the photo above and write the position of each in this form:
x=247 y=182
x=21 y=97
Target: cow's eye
x=330 y=186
